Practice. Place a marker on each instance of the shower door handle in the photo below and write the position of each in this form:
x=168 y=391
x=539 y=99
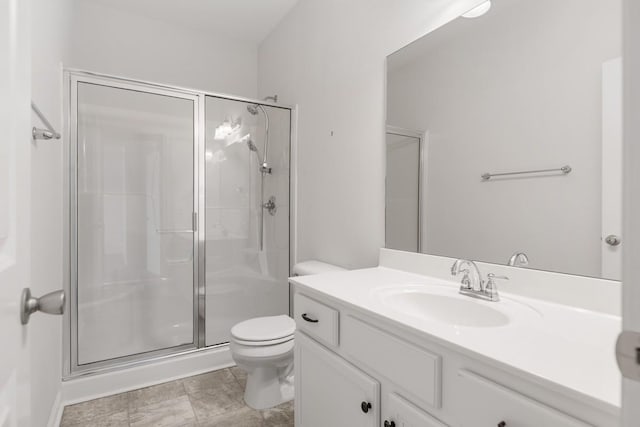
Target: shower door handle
x=51 y=303
x=193 y=229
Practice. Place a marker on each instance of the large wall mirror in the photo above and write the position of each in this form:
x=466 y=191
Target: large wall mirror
x=504 y=138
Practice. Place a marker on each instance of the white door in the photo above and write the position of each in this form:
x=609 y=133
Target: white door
x=631 y=212
x=330 y=391
x=612 y=169
x=14 y=210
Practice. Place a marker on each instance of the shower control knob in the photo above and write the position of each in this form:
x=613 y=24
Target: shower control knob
x=389 y=423
x=365 y=406
x=502 y=424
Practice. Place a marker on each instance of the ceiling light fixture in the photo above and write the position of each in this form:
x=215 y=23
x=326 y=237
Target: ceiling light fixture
x=479 y=10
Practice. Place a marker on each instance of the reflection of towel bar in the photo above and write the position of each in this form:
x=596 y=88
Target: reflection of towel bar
x=565 y=170
x=174 y=231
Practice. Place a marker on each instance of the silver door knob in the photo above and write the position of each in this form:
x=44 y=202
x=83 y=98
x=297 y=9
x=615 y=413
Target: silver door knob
x=612 y=240
x=51 y=303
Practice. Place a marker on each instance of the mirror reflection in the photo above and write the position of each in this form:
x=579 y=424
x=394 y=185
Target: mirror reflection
x=504 y=138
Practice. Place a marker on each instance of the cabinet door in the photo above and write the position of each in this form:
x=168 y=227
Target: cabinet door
x=330 y=391
x=401 y=413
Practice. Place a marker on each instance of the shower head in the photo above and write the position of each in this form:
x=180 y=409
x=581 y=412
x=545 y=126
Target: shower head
x=252 y=146
x=253 y=109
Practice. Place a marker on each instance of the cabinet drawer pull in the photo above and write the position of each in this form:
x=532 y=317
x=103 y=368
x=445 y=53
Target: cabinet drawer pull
x=389 y=423
x=365 y=406
x=502 y=424
x=309 y=319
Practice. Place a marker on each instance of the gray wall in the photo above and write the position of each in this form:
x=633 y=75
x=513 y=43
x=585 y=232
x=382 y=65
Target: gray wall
x=108 y=40
x=328 y=56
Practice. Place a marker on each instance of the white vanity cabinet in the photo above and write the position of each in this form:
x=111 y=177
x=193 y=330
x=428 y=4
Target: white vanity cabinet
x=330 y=391
x=352 y=368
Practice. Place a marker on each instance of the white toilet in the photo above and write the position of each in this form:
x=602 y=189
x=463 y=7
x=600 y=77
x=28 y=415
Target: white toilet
x=263 y=348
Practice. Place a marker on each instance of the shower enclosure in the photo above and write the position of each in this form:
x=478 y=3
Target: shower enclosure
x=179 y=218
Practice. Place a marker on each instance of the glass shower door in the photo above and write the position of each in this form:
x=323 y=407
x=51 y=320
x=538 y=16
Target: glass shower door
x=135 y=216
x=247 y=213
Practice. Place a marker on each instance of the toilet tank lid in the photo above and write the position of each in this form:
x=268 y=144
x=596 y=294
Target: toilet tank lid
x=264 y=328
x=313 y=266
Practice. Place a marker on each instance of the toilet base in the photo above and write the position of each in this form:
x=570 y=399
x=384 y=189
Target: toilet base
x=267 y=387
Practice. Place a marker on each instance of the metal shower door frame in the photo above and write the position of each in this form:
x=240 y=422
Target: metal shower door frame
x=72 y=80
x=72 y=77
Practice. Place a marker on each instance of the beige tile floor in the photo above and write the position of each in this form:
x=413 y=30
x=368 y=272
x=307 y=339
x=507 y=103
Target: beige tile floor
x=211 y=399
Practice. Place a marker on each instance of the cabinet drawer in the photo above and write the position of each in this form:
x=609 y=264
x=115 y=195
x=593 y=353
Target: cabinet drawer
x=405 y=414
x=415 y=370
x=316 y=319
x=486 y=403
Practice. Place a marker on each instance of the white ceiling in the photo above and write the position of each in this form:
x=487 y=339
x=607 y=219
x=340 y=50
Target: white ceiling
x=247 y=20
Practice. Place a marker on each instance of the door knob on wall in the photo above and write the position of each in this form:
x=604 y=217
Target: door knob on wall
x=51 y=303
x=612 y=240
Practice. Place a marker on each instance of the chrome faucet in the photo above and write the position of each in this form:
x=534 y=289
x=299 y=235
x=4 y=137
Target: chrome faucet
x=472 y=279
x=519 y=259
x=472 y=283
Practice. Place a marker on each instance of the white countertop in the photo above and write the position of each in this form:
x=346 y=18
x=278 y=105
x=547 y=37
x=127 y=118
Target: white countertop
x=571 y=349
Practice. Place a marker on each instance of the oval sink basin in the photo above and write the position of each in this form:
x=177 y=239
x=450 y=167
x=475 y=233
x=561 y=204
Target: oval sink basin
x=445 y=305
x=447 y=309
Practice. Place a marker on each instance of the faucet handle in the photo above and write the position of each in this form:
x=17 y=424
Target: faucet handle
x=491 y=288
x=465 y=283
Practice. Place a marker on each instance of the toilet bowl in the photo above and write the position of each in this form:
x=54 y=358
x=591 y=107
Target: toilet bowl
x=263 y=348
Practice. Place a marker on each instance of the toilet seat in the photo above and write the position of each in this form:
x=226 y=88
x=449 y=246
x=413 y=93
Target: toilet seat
x=262 y=343
x=264 y=331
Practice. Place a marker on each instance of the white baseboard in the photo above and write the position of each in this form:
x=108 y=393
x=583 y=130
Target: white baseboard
x=90 y=387
x=55 y=416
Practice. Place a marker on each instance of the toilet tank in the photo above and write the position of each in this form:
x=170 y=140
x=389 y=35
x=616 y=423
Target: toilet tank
x=306 y=268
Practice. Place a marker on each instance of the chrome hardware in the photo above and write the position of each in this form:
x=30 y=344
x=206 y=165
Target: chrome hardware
x=472 y=279
x=519 y=259
x=309 y=319
x=51 y=303
x=265 y=168
x=628 y=354
x=502 y=424
x=472 y=283
x=49 y=132
x=270 y=206
x=564 y=169
x=491 y=290
x=388 y=423
x=194 y=225
x=612 y=240
x=37 y=133
x=365 y=406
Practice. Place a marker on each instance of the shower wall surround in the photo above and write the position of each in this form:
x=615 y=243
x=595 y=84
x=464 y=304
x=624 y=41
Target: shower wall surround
x=166 y=201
